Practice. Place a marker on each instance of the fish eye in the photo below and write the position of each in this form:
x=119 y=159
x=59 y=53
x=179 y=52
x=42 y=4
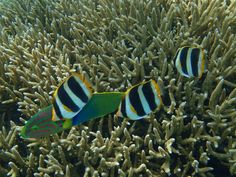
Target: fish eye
x=35 y=127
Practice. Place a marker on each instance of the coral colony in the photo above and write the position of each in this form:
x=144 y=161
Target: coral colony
x=116 y=45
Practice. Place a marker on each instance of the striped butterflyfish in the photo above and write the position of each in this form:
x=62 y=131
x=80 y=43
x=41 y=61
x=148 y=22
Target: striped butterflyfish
x=140 y=100
x=190 y=61
x=70 y=97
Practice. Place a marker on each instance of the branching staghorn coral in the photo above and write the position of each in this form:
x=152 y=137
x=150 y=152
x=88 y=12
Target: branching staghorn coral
x=116 y=44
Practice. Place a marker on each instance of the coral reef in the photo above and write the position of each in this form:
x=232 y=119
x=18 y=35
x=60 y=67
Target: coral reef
x=116 y=44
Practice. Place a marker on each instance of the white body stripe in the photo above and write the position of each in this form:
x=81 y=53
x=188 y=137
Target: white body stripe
x=65 y=114
x=144 y=102
x=178 y=63
x=73 y=97
x=188 y=62
x=129 y=112
x=83 y=86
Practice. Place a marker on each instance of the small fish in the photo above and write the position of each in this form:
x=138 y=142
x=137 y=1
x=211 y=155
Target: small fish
x=190 y=61
x=41 y=125
x=70 y=97
x=140 y=100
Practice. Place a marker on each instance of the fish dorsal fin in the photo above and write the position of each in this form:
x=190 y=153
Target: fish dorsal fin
x=71 y=96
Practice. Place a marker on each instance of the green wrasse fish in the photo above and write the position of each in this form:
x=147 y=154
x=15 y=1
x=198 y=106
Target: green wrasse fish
x=190 y=61
x=41 y=125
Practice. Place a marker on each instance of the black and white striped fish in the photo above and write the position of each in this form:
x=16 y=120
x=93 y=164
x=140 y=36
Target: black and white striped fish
x=140 y=100
x=70 y=97
x=190 y=61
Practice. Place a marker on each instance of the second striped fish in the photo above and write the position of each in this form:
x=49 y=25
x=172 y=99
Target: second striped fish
x=140 y=100
x=190 y=61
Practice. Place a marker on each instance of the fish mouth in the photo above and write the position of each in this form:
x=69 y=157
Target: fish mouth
x=23 y=133
x=24 y=136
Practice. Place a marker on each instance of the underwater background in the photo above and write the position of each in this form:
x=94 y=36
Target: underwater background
x=117 y=44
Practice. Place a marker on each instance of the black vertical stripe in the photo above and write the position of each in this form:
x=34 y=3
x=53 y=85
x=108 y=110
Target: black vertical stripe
x=135 y=101
x=149 y=95
x=194 y=60
x=66 y=100
x=57 y=110
x=123 y=108
x=183 y=59
x=77 y=89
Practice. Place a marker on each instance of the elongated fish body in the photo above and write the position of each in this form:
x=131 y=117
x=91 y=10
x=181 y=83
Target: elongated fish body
x=41 y=125
x=140 y=100
x=70 y=97
x=190 y=61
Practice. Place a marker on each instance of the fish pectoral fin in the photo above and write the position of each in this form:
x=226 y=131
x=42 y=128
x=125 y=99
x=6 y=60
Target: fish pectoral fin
x=67 y=124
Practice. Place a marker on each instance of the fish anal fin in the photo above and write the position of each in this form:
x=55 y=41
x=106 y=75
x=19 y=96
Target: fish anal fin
x=67 y=123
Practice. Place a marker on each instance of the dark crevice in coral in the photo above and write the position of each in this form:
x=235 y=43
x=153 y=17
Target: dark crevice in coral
x=220 y=170
x=39 y=37
x=8 y=112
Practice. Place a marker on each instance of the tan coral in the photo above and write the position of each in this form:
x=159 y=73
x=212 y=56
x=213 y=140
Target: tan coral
x=117 y=44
